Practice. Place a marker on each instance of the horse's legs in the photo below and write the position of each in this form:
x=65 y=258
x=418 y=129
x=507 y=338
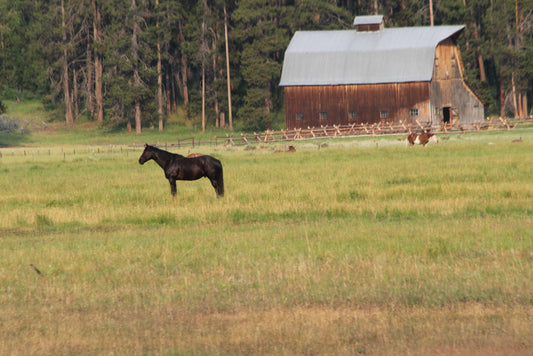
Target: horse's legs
x=214 y=183
x=172 y=182
x=218 y=184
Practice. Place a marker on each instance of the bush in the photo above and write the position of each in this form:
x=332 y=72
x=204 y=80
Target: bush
x=7 y=124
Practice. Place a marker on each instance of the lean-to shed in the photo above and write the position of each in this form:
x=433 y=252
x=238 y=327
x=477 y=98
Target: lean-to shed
x=375 y=74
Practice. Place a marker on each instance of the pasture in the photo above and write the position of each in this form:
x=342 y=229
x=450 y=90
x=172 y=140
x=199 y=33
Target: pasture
x=362 y=246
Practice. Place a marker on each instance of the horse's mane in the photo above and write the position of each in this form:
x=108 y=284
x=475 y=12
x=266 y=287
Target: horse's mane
x=154 y=148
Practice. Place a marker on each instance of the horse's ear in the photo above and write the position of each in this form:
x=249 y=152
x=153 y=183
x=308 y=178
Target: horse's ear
x=145 y=145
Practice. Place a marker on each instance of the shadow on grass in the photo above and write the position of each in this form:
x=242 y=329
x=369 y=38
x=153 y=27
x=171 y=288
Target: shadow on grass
x=9 y=139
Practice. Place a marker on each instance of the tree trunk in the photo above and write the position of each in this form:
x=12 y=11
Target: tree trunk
x=519 y=104
x=513 y=89
x=203 y=98
x=431 y=13
x=227 y=69
x=481 y=65
x=217 y=110
x=482 y=74
x=159 y=88
x=167 y=91
x=184 y=75
x=502 y=92
x=159 y=80
x=136 y=76
x=524 y=103
x=76 y=108
x=66 y=87
x=90 y=97
x=137 y=116
x=98 y=65
x=203 y=56
x=215 y=79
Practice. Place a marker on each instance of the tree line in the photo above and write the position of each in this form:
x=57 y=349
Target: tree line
x=133 y=63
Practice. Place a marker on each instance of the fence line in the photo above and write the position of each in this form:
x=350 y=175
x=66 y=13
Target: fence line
x=364 y=129
x=311 y=133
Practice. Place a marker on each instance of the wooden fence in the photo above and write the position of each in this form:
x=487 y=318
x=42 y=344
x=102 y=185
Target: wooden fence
x=377 y=129
x=337 y=131
x=311 y=133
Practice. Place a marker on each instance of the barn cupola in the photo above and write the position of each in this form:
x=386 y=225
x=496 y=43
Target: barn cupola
x=369 y=23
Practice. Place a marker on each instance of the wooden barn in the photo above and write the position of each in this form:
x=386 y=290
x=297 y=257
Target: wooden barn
x=371 y=74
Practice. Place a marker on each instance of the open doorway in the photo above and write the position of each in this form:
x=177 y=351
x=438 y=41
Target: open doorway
x=446 y=115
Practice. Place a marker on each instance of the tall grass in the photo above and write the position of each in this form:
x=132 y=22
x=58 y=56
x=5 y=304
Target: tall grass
x=354 y=248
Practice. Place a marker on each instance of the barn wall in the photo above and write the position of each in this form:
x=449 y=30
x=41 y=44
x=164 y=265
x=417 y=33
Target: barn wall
x=304 y=104
x=449 y=90
x=466 y=108
x=448 y=63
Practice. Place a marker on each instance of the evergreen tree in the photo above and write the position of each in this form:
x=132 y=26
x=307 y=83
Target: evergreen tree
x=23 y=72
x=259 y=31
x=128 y=73
x=147 y=57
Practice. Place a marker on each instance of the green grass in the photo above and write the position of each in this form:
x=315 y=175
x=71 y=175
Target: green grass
x=39 y=128
x=361 y=246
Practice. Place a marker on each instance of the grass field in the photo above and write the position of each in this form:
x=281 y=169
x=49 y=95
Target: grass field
x=360 y=246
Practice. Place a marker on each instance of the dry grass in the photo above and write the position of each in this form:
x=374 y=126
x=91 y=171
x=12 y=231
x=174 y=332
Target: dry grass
x=462 y=329
x=333 y=251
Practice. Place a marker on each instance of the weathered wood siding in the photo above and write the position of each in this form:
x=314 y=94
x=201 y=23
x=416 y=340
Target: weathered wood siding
x=449 y=91
x=313 y=106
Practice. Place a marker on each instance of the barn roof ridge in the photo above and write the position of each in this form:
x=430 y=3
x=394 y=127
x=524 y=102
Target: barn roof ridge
x=337 y=57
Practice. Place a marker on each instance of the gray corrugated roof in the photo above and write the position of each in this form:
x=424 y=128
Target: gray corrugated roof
x=349 y=57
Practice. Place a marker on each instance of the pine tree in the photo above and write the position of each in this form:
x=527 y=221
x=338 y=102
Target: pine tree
x=149 y=57
x=129 y=75
x=263 y=40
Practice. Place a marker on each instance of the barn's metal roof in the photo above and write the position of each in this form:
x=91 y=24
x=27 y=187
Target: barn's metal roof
x=390 y=55
x=368 y=20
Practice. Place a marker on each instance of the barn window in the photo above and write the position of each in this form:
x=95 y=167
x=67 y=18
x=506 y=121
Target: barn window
x=352 y=115
x=414 y=112
x=383 y=114
x=299 y=116
x=323 y=115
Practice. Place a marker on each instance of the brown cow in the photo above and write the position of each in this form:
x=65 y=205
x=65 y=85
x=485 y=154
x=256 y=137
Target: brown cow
x=421 y=138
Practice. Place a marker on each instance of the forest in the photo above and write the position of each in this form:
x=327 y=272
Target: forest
x=134 y=63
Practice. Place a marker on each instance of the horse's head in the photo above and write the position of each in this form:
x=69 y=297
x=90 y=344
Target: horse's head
x=147 y=155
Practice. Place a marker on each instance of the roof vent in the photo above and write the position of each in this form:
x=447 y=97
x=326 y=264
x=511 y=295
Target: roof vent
x=369 y=23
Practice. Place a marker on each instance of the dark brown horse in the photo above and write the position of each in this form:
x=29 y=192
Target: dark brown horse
x=177 y=167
